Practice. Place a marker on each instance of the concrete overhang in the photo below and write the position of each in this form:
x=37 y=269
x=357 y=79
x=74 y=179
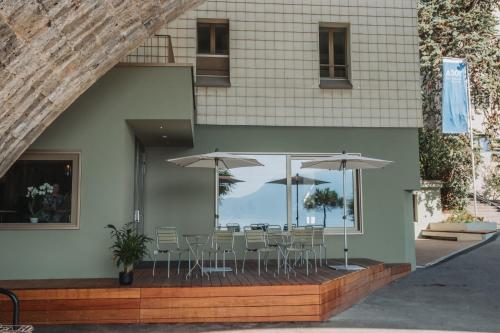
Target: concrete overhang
x=158 y=101
x=163 y=132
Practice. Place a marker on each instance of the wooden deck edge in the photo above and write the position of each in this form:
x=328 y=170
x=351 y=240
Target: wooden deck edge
x=222 y=304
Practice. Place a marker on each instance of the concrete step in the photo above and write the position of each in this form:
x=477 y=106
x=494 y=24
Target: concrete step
x=457 y=236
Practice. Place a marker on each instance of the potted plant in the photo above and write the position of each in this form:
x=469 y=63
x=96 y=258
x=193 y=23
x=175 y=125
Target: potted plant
x=128 y=249
x=36 y=196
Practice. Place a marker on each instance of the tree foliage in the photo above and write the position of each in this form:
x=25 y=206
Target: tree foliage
x=492 y=183
x=461 y=29
x=225 y=187
x=447 y=158
x=323 y=199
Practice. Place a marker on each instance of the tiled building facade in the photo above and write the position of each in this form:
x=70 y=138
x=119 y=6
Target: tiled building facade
x=274 y=63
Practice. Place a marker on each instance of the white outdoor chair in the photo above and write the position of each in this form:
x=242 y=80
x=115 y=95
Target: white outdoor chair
x=319 y=243
x=275 y=239
x=223 y=242
x=167 y=241
x=303 y=245
x=255 y=241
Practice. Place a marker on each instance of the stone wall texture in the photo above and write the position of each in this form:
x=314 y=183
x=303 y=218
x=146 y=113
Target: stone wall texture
x=274 y=60
x=51 y=51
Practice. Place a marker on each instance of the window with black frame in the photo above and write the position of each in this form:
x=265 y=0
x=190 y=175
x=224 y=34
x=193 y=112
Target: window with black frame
x=212 y=58
x=334 y=57
x=41 y=191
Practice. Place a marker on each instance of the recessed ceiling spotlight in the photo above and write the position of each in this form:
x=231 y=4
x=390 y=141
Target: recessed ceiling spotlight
x=164 y=136
x=161 y=126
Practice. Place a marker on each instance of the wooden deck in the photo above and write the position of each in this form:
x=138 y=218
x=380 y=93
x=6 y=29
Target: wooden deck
x=238 y=297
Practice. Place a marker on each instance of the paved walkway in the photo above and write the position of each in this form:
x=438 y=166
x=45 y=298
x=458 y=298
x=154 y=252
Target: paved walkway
x=462 y=294
x=430 y=250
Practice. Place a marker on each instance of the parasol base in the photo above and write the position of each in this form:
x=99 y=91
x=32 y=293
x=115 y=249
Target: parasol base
x=347 y=268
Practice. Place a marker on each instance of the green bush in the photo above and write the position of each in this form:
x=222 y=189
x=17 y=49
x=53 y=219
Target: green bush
x=447 y=158
x=492 y=184
x=460 y=216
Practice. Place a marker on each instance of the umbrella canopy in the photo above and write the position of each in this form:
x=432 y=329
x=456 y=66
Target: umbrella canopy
x=347 y=161
x=298 y=180
x=215 y=160
x=229 y=180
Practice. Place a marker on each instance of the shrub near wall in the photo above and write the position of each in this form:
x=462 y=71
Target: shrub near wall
x=447 y=158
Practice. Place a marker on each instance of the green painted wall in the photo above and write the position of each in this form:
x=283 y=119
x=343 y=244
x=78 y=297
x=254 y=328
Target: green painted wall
x=183 y=197
x=95 y=125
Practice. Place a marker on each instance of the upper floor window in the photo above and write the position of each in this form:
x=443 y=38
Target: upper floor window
x=212 y=59
x=41 y=191
x=334 y=57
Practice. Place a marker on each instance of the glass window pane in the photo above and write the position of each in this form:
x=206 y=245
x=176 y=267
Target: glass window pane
x=324 y=71
x=221 y=39
x=317 y=197
x=203 y=38
x=323 y=47
x=255 y=195
x=37 y=191
x=340 y=72
x=339 y=47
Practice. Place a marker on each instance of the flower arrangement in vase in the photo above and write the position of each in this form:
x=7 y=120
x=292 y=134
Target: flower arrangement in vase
x=35 y=196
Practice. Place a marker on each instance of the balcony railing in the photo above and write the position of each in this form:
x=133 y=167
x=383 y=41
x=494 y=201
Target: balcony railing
x=155 y=50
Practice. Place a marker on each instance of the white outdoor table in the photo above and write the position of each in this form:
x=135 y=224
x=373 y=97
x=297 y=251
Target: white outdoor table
x=195 y=242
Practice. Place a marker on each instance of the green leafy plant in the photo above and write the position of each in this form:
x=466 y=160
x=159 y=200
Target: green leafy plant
x=461 y=29
x=129 y=246
x=323 y=199
x=447 y=158
x=225 y=187
x=492 y=184
x=461 y=216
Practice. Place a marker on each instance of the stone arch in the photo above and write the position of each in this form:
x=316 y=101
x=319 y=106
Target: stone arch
x=51 y=51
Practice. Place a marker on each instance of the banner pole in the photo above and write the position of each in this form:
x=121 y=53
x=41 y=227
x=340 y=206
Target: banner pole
x=471 y=136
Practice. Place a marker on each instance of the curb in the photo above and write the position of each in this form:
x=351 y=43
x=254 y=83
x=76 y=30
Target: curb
x=459 y=252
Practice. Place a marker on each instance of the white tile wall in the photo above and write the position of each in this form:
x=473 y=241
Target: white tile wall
x=275 y=70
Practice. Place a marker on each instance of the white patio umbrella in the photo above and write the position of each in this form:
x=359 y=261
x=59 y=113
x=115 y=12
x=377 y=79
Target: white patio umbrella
x=215 y=161
x=345 y=162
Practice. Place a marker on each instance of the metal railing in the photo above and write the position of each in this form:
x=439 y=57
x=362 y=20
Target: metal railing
x=335 y=71
x=155 y=50
x=487 y=201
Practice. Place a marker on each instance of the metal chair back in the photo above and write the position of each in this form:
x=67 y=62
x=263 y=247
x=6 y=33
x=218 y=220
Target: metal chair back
x=234 y=227
x=255 y=239
x=274 y=235
x=166 y=238
x=319 y=235
x=223 y=240
x=303 y=237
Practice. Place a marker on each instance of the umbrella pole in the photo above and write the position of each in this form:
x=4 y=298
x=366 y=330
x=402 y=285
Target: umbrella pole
x=345 y=213
x=297 y=198
x=216 y=208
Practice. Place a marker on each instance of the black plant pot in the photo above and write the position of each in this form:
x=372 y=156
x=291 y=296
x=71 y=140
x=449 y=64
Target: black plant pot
x=126 y=278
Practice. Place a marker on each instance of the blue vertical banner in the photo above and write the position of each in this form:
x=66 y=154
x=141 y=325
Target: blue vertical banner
x=455 y=103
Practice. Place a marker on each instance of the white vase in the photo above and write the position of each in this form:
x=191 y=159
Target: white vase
x=34 y=219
